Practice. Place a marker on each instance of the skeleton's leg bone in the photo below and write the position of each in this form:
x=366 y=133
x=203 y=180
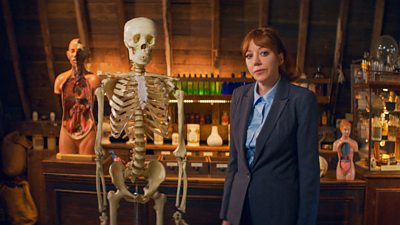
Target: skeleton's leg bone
x=114 y=198
x=159 y=203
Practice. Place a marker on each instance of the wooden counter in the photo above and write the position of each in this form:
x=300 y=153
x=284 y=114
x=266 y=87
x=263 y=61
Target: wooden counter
x=71 y=198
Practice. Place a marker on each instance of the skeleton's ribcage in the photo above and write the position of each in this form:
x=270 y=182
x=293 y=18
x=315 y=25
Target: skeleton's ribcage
x=123 y=103
x=125 y=100
x=156 y=109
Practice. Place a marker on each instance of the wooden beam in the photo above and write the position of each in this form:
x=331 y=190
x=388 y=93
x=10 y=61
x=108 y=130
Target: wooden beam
x=302 y=36
x=215 y=35
x=338 y=54
x=81 y=22
x=123 y=51
x=44 y=26
x=378 y=21
x=166 y=12
x=12 y=42
x=263 y=13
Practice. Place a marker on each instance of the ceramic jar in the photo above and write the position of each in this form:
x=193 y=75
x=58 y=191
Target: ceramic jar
x=214 y=139
x=193 y=134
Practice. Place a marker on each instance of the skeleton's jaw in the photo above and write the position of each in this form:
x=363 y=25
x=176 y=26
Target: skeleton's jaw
x=139 y=59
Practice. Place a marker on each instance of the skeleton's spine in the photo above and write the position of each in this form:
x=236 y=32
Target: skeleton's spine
x=139 y=153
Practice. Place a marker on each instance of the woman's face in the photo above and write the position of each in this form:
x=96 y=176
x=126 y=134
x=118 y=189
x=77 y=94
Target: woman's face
x=263 y=63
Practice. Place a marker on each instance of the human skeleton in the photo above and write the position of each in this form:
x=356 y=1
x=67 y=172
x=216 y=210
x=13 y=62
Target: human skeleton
x=139 y=98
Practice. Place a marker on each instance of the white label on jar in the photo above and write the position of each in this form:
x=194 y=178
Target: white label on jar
x=207 y=154
x=189 y=153
x=165 y=153
x=222 y=165
x=172 y=164
x=196 y=164
x=227 y=154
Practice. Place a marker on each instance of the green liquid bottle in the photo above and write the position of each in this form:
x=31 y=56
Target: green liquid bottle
x=190 y=85
x=212 y=85
x=184 y=84
x=206 y=85
x=195 y=86
x=178 y=83
x=218 y=86
x=201 y=85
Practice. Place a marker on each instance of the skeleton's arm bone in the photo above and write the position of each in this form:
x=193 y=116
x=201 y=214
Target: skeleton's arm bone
x=180 y=151
x=100 y=182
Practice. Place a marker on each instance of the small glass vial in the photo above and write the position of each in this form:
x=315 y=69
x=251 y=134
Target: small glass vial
x=224 y=118
x=35 y=116
x=52 y=117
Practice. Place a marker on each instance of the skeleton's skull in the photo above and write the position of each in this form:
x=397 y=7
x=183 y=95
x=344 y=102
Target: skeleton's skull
x=139 y=38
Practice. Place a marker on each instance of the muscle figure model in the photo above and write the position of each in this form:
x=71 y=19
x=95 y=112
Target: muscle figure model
x=139 y=99
x=76 y=86
x=345 y=147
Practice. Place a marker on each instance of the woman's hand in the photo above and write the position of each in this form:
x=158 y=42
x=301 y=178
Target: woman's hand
x=226 y=222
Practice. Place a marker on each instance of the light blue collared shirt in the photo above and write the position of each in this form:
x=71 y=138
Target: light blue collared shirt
x=261 y=107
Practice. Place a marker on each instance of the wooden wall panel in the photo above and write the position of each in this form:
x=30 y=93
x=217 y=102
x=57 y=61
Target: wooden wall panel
x=322 y=34
x=191 y=41
x=11 y=108
x=153 y=10
x=391 y=19
x=191 y=28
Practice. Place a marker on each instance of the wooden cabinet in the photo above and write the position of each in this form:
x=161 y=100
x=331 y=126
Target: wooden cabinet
x=71 y=198
x=382 y=198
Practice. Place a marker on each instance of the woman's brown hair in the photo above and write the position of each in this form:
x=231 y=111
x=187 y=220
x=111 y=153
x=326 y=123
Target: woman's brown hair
x=269 y=38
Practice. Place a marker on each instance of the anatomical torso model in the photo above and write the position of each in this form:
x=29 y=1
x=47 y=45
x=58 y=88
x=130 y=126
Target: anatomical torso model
x=345 y=148
x=76 y=87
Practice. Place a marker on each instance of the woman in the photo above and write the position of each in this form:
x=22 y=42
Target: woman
x=273 y=175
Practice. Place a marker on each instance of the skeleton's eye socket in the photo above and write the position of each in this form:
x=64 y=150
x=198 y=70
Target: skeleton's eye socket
x=149 y=39
x=136 y=38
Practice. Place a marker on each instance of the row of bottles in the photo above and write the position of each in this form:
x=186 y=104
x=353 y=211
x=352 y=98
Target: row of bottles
x=196 y=118
x=41 y=142
x=206 y=85
x=319 y=87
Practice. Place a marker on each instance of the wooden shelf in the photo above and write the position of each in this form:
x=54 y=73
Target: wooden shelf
x=322 y=99
x=167 y=147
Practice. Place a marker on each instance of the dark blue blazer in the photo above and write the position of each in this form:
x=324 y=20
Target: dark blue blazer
x=282 y=186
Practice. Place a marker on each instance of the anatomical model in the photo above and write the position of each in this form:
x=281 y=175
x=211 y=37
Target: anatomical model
x=345 y=147
x=139 y=98
x=76 y=86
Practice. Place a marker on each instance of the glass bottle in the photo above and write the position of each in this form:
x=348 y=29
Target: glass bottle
x=206 y=85
x=184 y=84
x=224 y=118
x=319 y=87
x=376 y=134
x=365 y=67
x=201 y=85
x=212 y=85
x=392 y=127
x=195 y=90
x=178 y=82
x=190 y=85
x=218 y=86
